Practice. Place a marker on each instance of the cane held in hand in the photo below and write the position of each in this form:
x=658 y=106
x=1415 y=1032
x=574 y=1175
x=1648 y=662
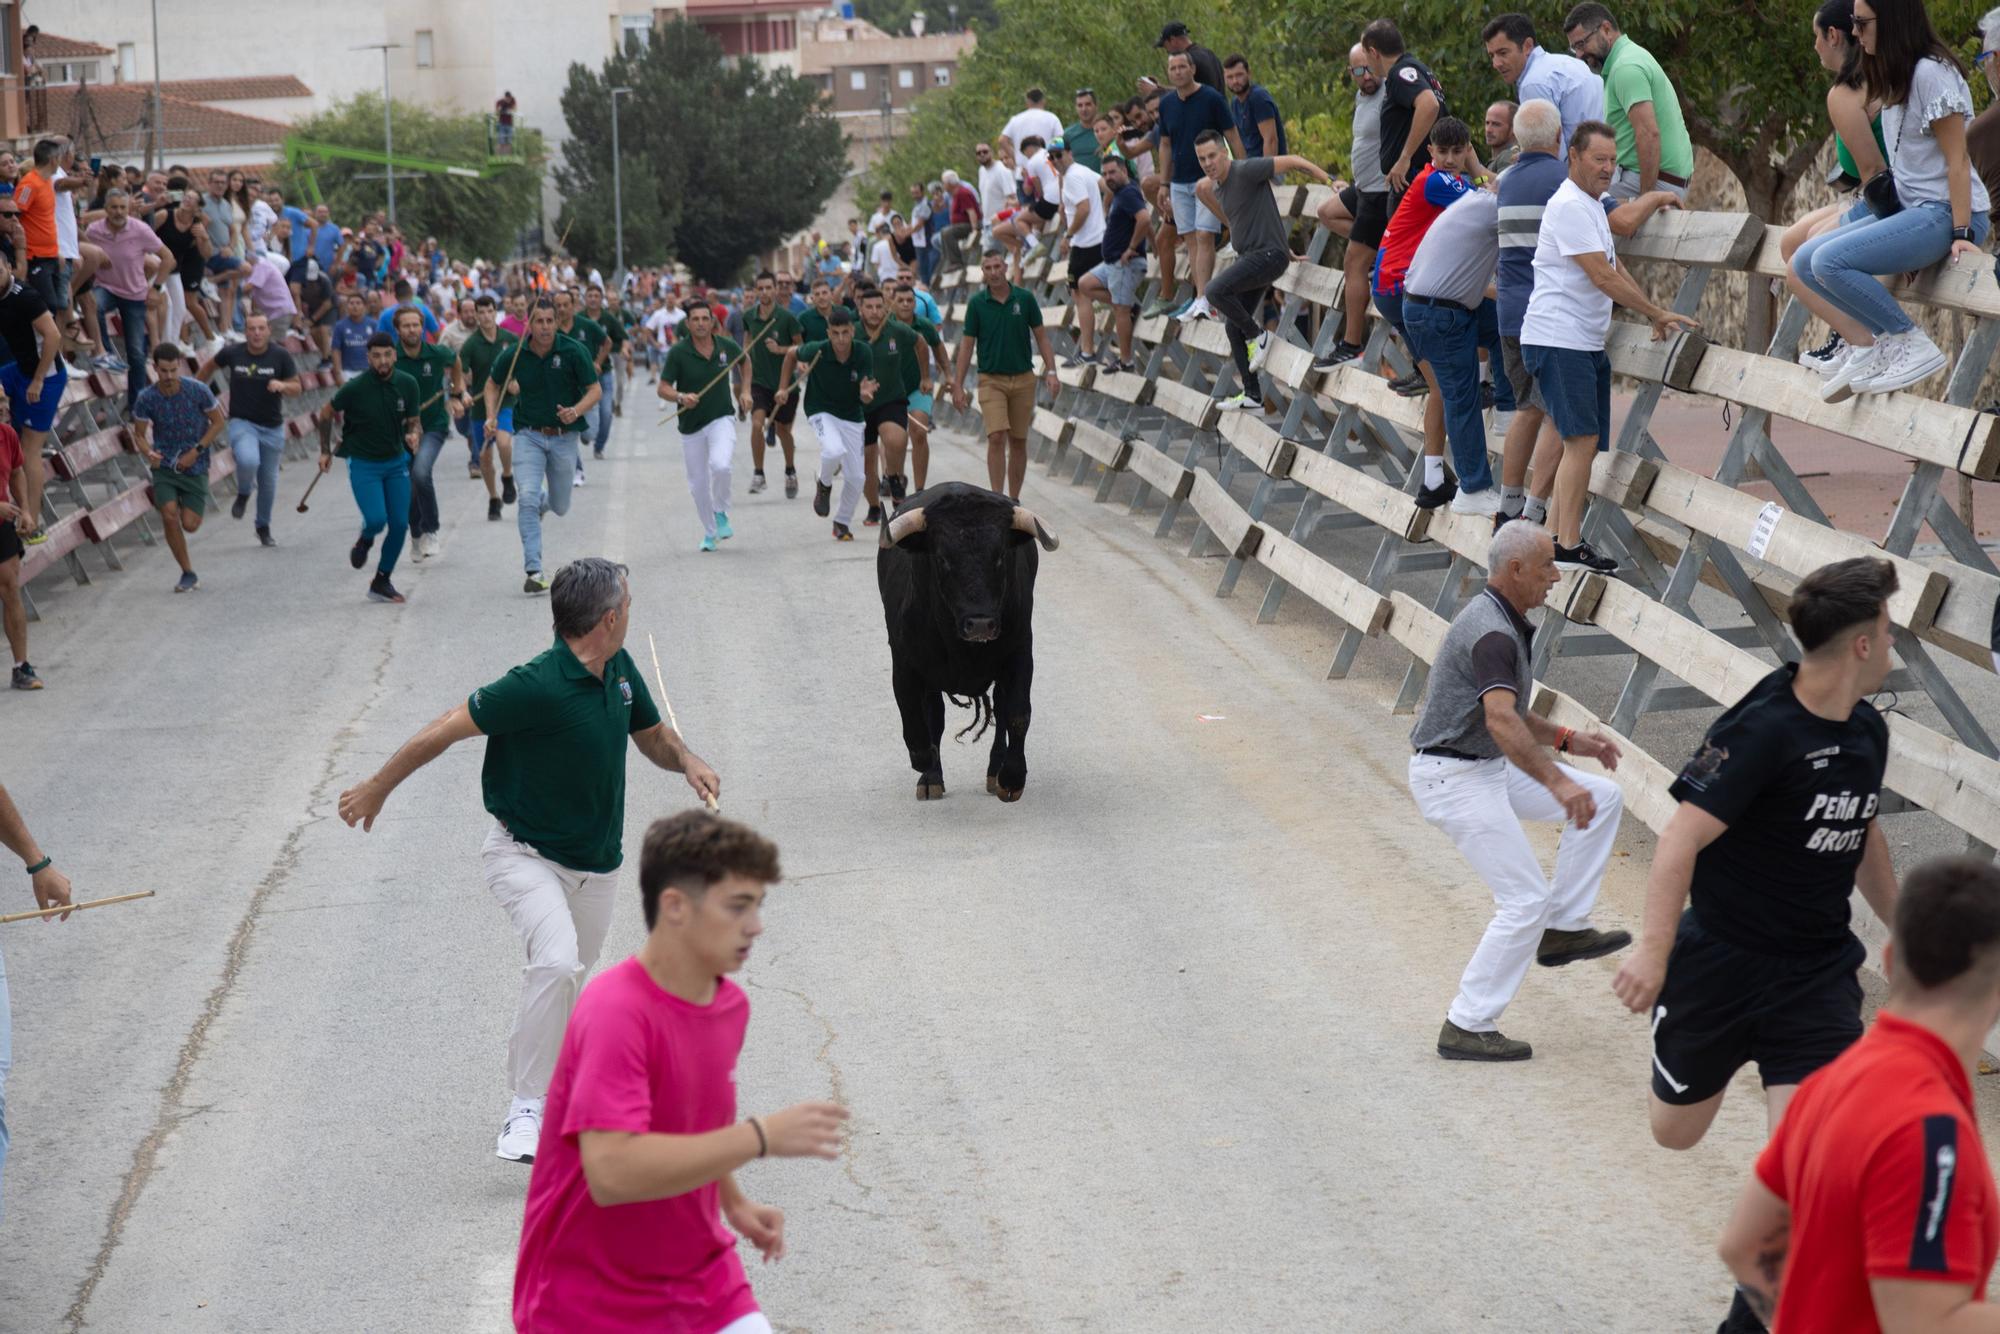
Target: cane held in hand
x=61 y=908
x=660 y=680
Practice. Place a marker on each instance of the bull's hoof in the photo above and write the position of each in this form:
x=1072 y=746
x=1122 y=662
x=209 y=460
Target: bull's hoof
x=1007 y=794
x=993 y=785
x=927 y=791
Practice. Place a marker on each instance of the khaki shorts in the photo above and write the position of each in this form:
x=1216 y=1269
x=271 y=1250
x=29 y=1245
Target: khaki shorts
x=1007 y=403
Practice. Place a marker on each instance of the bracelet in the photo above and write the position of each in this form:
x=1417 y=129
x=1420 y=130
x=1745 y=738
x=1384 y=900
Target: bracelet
x=41 y=865
x=1564 y=735
x=763 y=1145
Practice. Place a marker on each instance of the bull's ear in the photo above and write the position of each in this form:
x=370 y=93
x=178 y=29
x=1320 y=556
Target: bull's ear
x=1026 y=524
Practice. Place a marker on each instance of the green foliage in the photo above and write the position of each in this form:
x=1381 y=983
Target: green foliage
x=722 y=160
x=469 y=217
x=893 y=16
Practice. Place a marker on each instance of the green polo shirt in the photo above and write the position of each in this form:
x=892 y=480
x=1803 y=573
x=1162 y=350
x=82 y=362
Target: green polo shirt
x=1631 y=76
x=1082 y=143
x=558 y=380
x=687 y=370
x=481 y=359
x=893 y=344
x=373 y=412
x=613 y=325
x=555 y=753
x=913 y=374
x=783 y=328
x=586 y=331
x=431 y=369
x=835 y=386
x=1000 y=330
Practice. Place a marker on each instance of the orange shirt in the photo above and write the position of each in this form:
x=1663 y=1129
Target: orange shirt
x=36 y=197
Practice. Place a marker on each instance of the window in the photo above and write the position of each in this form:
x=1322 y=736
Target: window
x=426 y=49
x=636 y=30
x=906 y=78
x=128 y=62
x=941 y=77
x=857 y=80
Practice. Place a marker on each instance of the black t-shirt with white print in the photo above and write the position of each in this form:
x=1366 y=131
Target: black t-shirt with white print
x=1798 y=792
x=1403 y=87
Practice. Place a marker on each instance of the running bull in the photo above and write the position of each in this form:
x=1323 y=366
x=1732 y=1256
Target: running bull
x=957 y=573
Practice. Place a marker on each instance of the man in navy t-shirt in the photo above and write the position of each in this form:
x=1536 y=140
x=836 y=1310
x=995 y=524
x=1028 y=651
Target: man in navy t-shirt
x=350 y=336
x=1254 y=110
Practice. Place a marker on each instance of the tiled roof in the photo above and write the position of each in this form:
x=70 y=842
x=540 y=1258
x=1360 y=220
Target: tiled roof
x=236 y=90
x=116 y=122
x=49 y=47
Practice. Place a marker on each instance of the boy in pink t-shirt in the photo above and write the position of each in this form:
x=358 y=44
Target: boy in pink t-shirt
x=624 y=1227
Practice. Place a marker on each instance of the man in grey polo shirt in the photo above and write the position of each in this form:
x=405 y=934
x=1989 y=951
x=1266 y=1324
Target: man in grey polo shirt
x=1480 y=769
x=1444 y=291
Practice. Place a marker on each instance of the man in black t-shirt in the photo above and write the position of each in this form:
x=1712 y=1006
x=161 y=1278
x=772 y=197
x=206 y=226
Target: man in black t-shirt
x=1412 y=102
x=259 y=375
x=1776 y=827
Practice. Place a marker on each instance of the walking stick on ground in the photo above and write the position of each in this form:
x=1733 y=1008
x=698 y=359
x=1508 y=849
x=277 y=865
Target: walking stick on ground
x=76 y=907
x=660 y=680
x=325 y=428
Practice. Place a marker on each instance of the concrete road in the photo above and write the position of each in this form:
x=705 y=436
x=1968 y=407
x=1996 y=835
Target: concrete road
x=1151 y=1050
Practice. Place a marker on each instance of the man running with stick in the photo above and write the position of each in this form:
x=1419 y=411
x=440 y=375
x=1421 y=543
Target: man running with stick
x=554 y=781
x=770 y=329
x=51 y=889
x=696 y=376
x=492 y=434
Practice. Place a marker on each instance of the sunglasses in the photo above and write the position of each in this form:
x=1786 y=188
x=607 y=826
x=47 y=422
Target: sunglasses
x=1084 y=92
x=1361 y=71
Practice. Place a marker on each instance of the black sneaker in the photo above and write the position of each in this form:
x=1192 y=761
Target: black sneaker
x=381 y=590
x=239 y=505
x=1433 y=496
x=1410 y=385
x=823 y=500
x=873 y=517
x=791 y=485
x=264 y=537
x=507 y=490
x=25 y=678
x=1581 y=557
x=493 y=510
x=842 y=533
x=1459 y=1044
x=1560 y=947
x=358 y=556
x=1502 y=519
x=1342 y=353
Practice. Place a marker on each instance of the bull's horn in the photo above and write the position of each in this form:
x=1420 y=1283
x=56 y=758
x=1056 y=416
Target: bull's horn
x=902 y=525
x=1026 y=522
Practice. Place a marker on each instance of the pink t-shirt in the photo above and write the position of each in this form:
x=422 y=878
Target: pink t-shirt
x=639 y=1060
x=264 y=280
x=125 y=249
x=513 y=326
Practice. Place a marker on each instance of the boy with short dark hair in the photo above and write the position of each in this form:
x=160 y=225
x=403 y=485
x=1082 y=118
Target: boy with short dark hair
x=623 y=1227
x=177 y=421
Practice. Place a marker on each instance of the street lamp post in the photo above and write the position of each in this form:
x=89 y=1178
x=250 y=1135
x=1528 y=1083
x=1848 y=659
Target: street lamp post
x=617 y=188
x=388 y=125
x=156 y=143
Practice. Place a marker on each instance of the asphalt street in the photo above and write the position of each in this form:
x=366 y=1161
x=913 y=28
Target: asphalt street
x=1150 y=1050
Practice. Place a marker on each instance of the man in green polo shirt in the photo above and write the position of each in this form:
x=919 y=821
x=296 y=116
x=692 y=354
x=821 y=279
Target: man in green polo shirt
x=440 y=397
x=554 y=384
x=770 y=329
x=1654 y=151
x=379 y=428
x=840 y=384
x=998 y=319
x=923 y=360
x=572 y=323
x=696 y=377
x=554 y=782
x=485 y=346
x=612 y=322
x=887 y=430
x=812 y=320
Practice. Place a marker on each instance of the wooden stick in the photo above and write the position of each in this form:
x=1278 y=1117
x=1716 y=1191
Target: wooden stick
x=76 y=907
x=660 y=680
x=741 y=353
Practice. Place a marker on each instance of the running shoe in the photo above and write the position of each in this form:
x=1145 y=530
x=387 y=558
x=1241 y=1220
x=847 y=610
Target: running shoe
x=358 y=556
x=707 y=543
x=536 y=582
x=1076 y=361
x=472 y=472
x=187 y=583
x=36 y=538
x=757 y=484
x=842 y=533
x=25 y=678
x=493 y=510
x=1241 y=403
x=1260 y=351
x=381 y=590
x=1485 y=502
x=507 y=493
x=791 y=485
x=240 y=505
x=264 y=537
x=1433 y=496
x=823 y=500
x=1826 y=357
x=579 y=474
x=722 y=528
x=1411 y=385
x=1583 y=557
x=522 y=1133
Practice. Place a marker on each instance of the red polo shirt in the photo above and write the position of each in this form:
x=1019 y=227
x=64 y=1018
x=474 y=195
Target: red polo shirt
x=1880 y=1160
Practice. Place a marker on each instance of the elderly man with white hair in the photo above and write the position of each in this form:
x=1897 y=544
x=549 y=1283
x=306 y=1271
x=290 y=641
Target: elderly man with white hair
x=1483 y=765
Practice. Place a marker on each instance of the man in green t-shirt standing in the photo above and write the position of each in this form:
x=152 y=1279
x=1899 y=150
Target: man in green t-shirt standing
x=379 y=427
x=770 y=329
x=440 y=397
x=554 y=384
x=840 y=383
x=554 y=782
x=998 y=321
x=1654 y=150
x=696 y=376
x=484 y=350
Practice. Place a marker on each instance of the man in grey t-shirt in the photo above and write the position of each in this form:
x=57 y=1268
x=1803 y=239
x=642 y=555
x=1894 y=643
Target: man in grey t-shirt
x=1240 y=194
x=1481 y=768
x=1444 y=290
x=1359 y=214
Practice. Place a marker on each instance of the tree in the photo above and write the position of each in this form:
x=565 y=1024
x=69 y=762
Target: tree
x=470 y=217
x=722 y=159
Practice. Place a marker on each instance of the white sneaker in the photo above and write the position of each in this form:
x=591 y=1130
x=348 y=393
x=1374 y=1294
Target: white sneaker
x=522 y=1134
x=1198 y=310
x=1860 y=364
x=1825 y=358
x=1831 y=365
x=1904 y=359
x=437 y=543
x=579 y=477
x=1485 y=502
x=1260 y=351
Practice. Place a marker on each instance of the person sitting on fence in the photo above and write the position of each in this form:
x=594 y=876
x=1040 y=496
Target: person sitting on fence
x=1122 y=270
x=177 y=421
x=1930 y=206
x=1480 y=768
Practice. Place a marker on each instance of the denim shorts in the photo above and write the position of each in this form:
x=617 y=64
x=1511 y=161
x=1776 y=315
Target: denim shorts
x=1190 y=214
x=1576 y=386
x=1121 y=279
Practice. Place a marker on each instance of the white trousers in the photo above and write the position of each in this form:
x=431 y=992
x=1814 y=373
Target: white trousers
x=754 y=1323
x=562 y=916
x=707 y=453
x=1480 y=804
x=840 y=447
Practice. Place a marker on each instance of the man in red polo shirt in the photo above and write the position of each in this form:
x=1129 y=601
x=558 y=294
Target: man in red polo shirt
x=1875 y=1190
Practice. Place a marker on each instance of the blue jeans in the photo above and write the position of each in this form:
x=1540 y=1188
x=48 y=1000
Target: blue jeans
x=382 y=490
x=1489 y=338
x=423 y=492
x=1838 y=265
x=1447 y=336
x=607 y=384
x=132 y=315
x=469 y=428
x=1391 y=306
x=258 y=450
x=542 y=464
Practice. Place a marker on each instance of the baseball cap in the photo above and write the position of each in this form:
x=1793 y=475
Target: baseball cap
x=1171 y=30
x=1058 y=147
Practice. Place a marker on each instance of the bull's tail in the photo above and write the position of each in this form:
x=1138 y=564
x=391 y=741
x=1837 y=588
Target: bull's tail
x=982 y=714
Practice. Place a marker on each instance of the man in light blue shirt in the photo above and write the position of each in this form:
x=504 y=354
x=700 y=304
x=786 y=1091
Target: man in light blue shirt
x=1576 y=90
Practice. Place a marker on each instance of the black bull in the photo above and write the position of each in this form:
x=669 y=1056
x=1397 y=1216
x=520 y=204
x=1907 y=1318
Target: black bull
x=957 y=573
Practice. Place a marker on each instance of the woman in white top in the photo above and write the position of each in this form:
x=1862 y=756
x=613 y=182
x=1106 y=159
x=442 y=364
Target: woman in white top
x=1939 y=210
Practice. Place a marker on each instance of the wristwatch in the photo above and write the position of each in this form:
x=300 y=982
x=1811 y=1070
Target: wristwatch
x=1961 y=233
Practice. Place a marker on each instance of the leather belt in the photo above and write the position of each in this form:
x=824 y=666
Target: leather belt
x=1446 y=752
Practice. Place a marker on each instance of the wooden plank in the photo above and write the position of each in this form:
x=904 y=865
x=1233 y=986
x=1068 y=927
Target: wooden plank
x=1964 y=621
x=1077 y=377
x=1124 y=386
x=1204 y=336
x=1355 y=491
x=101 y=522
x=1190 y=405
x=1668 y=361
x=1315 y=284
x=65 y=535
x=1905 y=422
x=1706 y=240
x=1161 y=473
x=1224 y=517
x=1287 y=199
x=1968 y=289
x=1310 y=199
x=1415 y=626
x=1052 y=425
x=1055 y=317
x=1797 y=544
x=78 y=457
x=1292 y=366
x=1151 y=332
x=1101 y=445
x=1267 y=451
x=1354 y=602
x=1622 y=478
x=1642 y=779
x=1348 y=383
